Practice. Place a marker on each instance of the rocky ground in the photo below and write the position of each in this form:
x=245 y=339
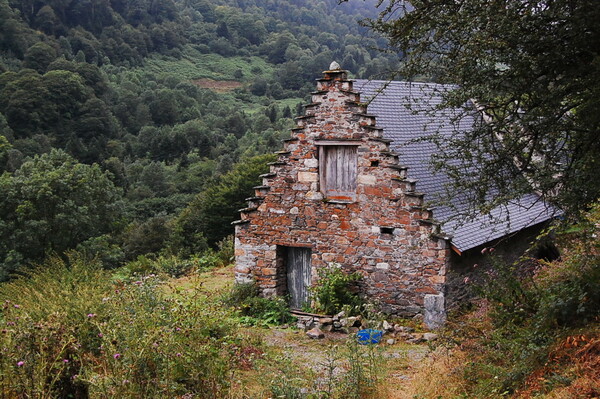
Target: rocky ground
x=317 y=348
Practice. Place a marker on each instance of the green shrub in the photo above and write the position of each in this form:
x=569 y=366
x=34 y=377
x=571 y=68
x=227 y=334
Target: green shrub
x=529 y=313
x=171 y=265
x=255 y=310
x=225 y=251
x=336 y=290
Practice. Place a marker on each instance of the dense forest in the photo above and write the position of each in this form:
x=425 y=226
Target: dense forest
x=134 y=128
x=131 y=131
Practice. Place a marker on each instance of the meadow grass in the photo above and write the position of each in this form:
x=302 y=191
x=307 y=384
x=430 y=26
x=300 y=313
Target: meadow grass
x=195 y=65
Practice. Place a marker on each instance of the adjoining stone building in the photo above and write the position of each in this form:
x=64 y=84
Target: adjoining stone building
x=339 y=193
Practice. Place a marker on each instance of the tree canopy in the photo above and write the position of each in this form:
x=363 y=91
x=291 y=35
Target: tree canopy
x=532 y=71
x=51 y=204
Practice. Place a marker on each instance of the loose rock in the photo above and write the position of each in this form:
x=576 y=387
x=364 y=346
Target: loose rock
x=417 y=339
x=387 y=326
x=403 y=329
x=315 y=333
x=430 y=337
x=340 y=315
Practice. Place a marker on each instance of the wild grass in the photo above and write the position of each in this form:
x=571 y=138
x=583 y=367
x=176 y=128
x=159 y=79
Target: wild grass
x=195 y=65
x=68 y=330
x=537 y=335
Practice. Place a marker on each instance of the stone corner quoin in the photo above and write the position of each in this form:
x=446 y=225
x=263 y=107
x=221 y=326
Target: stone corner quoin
x=338 y=192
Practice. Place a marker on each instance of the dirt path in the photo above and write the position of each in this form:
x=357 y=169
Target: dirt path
x=398 y=360
x=317 y=360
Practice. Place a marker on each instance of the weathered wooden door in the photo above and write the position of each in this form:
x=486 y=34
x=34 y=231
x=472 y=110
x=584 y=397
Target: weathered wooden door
x=298 y=275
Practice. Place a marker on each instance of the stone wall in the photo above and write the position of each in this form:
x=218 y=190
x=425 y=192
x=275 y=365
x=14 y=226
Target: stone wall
x=384 y=233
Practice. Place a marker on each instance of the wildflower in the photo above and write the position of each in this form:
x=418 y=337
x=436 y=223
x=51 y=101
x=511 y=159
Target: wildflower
x=484 y=251
x=125 y=382
x=100 y=335
x=492 y=250
x=17 y=306
x=65 y=360
x=178 y=354
x=475 y=266
x=117 y=355
x=20 y=363
x=90 y=315
x=467 y=280
x=137 y=282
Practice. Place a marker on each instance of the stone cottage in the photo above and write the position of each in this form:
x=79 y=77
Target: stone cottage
x=341 y=193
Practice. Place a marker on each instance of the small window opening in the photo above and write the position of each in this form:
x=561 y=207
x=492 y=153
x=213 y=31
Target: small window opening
x=547 y=252
x=387 y=230
x=374 y=163
x=338 y=171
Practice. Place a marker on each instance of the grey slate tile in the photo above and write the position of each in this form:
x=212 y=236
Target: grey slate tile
x=407 y=112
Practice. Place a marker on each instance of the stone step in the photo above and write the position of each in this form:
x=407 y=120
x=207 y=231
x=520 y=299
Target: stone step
x=312 y=105
x=238 y=222
x=248 y=210
x=258 y=190
x=407 y=185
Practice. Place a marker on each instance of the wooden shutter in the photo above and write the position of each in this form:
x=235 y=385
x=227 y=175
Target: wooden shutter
x=337 y=167
x=298 y=275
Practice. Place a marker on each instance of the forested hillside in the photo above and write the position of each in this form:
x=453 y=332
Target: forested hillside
x=140 y=106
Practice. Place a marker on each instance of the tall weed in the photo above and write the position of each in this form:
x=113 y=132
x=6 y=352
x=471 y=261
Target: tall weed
x=68 y=330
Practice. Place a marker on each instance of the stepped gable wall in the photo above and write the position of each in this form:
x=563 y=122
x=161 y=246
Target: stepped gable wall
x=377 y=226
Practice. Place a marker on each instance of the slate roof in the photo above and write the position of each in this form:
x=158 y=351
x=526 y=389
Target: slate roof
x=406 y=111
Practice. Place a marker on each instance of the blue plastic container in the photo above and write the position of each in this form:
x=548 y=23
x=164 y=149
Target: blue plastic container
x=369 y=336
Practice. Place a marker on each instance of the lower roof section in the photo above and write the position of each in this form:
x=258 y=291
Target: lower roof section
x=407 y=112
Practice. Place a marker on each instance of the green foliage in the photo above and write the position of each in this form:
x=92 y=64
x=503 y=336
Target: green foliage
x=72 y=333
x=146 y=237
x=102 y=249
x=51 y=204
x=255 y=310
x=350 y=370
x=532 y=68
x=529 y=313
x=210 y=214
x=168 y=264
x=335 y=290
x=123 y=84
x=39 y=56
x=176 y=266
